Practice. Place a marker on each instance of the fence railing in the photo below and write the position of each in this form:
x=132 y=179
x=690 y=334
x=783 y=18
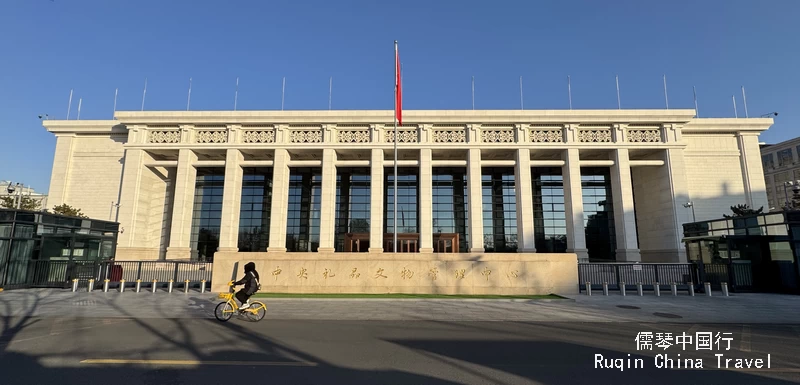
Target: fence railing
x=738 y=276
x=62 y=273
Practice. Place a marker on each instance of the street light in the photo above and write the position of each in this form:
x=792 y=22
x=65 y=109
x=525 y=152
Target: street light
x=11 y=189
x=767 y=115
x=688 y=205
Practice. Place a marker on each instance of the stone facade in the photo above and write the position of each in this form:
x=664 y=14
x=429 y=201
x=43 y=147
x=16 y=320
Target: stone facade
x=781 y=164
x=657 y=161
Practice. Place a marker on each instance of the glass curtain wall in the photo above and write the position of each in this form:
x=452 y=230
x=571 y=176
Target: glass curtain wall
x=407 y=209
x=207 y=213
x=499 y=210
x=352 y=209
x=549 y=214
x=450 y=209
x=598 y=213
x=305 y=195
x=254 y=212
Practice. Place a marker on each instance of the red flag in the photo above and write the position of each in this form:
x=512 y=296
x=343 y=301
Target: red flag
x=398 y=92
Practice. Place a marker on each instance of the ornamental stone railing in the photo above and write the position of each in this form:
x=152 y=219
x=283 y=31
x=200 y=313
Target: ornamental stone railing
x=644 y=135
x=211 y=136
x=497 y=135
x=164 y=136
x=352 y=136
x=457 y=135
x=404 y=135
x=546 y=135
x=305 y=136
x=258 y=136
x=594 y=135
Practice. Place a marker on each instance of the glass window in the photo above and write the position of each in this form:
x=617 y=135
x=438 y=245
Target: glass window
x=302 y=227
x=255 y=209
x=785 y=157
x=206 y=217
x=598 y=219
x=768 y=161
x=407 y=204
x=450 y=207
x=352 y=208
x=500 y=221
x=549 y=214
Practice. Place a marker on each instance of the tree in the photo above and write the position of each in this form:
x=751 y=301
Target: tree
x=743 y=210
x=67 y=210
x=26 y=203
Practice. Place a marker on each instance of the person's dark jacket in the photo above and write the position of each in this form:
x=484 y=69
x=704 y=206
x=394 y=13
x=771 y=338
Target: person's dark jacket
x=250 y=279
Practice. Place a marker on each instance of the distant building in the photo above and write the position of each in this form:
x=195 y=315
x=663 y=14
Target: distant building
x=27 y=191
x=781 y=164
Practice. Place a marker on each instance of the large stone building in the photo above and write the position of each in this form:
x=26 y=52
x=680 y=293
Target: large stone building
x=781 y=164
x=298 y=188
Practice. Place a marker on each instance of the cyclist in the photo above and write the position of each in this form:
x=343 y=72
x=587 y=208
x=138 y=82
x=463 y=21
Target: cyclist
x=251 y=285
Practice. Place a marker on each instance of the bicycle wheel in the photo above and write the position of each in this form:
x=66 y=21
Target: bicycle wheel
x=223 y=311
x=257 y=311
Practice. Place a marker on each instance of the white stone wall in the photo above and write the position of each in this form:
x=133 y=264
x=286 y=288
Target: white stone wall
x=94 y=173
x=714 y=174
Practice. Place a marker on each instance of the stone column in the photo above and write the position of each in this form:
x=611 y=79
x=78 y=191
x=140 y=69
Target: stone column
x=280 y=201
x=376 y=202
x=183 y=207
x=130 y=197
x=474 y=180
x=59 y=178
x=573 y=204
x=624 y=217
x=425 y=200
x=327 y=221
x=755 y=190
x=526 y=236
x=231 y=202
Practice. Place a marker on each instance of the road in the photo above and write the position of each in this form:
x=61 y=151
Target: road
x=118 y=350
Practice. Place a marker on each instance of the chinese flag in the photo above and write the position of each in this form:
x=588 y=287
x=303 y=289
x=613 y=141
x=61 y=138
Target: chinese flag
x=398 y=92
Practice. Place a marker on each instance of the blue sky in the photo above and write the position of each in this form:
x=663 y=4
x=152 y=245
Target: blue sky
x=94 y=46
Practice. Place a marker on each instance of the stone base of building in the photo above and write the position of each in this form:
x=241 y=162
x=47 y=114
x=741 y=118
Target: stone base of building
x=664 y=256
x=137 y=254
x=423 y=273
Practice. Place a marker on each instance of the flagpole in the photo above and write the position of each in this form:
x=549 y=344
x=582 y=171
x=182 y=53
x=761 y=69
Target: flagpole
x=619 y=105
x=473 y=93
x=394 y=202
x=236 y=95
x=521 y=99
x=744 y=100
x=80 y=101
x=116 y=91
x=735 y=111
x=283 y=91
x=666 y=98
x=189 y=97
x=69 y=104
x=696 y=110
x=144 y=93
x=569 y=91
x=330 y=93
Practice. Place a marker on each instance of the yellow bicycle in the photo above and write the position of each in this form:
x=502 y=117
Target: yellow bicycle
x=225 y=310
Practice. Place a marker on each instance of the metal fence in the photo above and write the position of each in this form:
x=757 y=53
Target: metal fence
x=739 y=277
x=60 y=274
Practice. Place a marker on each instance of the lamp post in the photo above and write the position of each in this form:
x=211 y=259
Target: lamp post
x=690 y=205
x=786 y=185
x=14 y=192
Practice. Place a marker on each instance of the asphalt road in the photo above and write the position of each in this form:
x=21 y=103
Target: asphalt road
x=202 y=351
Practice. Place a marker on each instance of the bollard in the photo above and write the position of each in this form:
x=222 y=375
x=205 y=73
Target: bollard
x=169 y=288
x=622 y=288
x=91 y=286
x=605 y=288
x=203 y=286
x=725 y=289
x=691 y=289
x=657 y=289
x=708 y=289
x=155 y=282
x=121 y=285
x=674 y=289
x=74 y=285
x=588 y=286
x=186 y=286
x=639 y=289
x=138 y=285
x=105 y=286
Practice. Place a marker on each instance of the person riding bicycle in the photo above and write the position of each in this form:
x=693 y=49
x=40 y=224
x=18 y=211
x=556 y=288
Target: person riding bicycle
x=251 y=285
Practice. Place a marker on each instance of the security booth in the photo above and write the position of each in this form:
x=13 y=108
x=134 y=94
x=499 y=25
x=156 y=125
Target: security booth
x=40 y=249
x=749 y=253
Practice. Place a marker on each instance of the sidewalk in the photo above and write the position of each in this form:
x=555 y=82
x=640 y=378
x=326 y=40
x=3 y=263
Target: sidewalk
x=740 y=308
